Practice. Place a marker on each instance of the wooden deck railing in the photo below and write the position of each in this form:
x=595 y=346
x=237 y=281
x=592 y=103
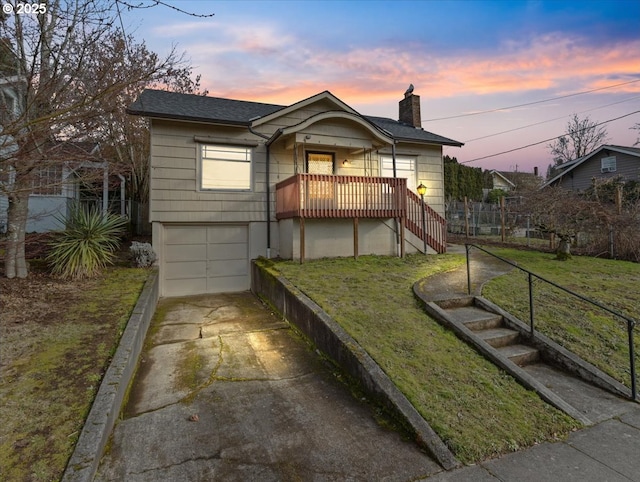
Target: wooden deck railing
x=435 y=225
x=326 y=196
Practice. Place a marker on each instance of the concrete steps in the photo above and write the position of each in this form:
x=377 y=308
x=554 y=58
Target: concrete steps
x=558 y=376
x=491 y=328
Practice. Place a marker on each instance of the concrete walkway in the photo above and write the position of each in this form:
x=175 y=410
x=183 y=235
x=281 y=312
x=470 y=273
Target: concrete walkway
x=607 y=451
x=226 y=391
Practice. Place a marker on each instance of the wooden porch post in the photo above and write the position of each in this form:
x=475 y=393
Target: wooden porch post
x=355 y=238
x=302 y=240
x=402 y=220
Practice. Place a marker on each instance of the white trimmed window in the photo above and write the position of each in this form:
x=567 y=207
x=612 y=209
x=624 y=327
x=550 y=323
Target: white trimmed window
x=608 y=164
x=225 y=167
x=405 y=167
x=47 y=181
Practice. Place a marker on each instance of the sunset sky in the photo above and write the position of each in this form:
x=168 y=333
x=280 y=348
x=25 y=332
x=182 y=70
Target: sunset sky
x=533 y=64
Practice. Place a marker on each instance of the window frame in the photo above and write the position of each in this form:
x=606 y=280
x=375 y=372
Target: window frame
x=202 y=159
x=401 y=158
x=608 y=164
x=323 y=153
x=48 y=181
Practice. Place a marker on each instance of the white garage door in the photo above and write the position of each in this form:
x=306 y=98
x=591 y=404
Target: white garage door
x=205 y=259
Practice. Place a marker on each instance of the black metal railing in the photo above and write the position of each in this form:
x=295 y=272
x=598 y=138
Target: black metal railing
x=631 y=323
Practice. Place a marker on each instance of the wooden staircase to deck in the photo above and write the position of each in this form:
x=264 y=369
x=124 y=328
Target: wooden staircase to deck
x=435 y=232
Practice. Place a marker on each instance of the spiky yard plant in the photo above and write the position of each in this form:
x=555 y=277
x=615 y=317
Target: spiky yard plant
x=87 y=244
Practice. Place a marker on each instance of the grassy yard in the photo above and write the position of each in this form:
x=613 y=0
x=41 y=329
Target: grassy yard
x=478 y=410
x=57 y=340
x=588 y=331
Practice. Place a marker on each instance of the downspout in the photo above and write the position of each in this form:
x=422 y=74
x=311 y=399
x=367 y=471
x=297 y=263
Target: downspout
x=395 y=174
x=268 y=145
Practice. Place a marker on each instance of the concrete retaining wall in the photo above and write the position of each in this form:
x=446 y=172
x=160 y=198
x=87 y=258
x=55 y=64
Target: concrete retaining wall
x=107 y=405
x=331 y=339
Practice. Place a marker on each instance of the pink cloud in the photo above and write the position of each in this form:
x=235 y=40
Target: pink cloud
x=551 y=62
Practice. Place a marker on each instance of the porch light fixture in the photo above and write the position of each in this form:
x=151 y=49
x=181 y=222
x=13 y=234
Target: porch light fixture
x=346 y=163
x=422 y=190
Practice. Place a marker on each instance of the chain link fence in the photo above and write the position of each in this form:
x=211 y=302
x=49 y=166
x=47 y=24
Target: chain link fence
x=618 y=238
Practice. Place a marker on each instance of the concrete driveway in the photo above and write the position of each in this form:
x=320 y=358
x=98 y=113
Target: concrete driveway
x=226 y=391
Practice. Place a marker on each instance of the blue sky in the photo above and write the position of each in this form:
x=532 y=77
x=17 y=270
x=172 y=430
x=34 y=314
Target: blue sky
x=463 y=57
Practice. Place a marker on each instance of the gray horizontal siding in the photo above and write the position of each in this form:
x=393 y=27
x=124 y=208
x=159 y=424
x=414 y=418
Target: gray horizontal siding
x=581 y=177
x=174 y=194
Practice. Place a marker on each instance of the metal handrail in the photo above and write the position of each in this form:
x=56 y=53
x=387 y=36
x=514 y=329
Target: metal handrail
x=631 y=323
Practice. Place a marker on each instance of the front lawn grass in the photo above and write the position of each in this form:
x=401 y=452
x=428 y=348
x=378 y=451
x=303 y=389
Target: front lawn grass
x=53 y=362
x=588 y=331
x=478 y=410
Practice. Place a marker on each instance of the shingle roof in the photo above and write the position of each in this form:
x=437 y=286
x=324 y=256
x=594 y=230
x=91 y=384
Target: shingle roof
x=171 y=105
x=407 y=132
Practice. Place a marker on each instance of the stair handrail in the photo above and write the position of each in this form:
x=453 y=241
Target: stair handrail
x=435 y=233
x=631 y=323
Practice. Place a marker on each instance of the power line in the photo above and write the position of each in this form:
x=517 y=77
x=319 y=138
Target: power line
x=549 y=120
x=546 y=140
x=531 y=103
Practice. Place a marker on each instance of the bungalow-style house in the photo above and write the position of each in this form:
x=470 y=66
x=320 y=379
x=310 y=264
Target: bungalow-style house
x=56 y=186
x=515 y=181
x=606 y=162
x=232 y=180
x=500 y=181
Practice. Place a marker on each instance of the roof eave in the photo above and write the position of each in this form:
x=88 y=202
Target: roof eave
x=424 y=141
x=206 y=120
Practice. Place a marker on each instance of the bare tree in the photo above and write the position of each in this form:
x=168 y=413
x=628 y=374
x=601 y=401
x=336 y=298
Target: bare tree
x=581 y=137
x=565 y=213
x=58 y=65
x=636 y=126
x=124 y=138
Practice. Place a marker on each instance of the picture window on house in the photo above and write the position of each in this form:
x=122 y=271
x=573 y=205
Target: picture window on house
x=225 y=167
x=608 y=164
x=405 y=167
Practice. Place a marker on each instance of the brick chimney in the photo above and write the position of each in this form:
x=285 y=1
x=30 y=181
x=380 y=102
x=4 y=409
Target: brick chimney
x=410 y=109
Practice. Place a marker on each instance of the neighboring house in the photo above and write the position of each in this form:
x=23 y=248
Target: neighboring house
x=233 y=180
x=515 y=181
x=58 y=185
x=606 y=162
x=500 y=181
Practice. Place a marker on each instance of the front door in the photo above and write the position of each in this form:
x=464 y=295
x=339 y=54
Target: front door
x=321 y=163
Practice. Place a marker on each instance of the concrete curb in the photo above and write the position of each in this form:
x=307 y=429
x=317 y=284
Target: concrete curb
x=84 y=461
x=330 y=338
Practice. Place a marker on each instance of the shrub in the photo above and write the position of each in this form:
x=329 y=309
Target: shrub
x=87 y=244
x=493 y=197
x=143 y=254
